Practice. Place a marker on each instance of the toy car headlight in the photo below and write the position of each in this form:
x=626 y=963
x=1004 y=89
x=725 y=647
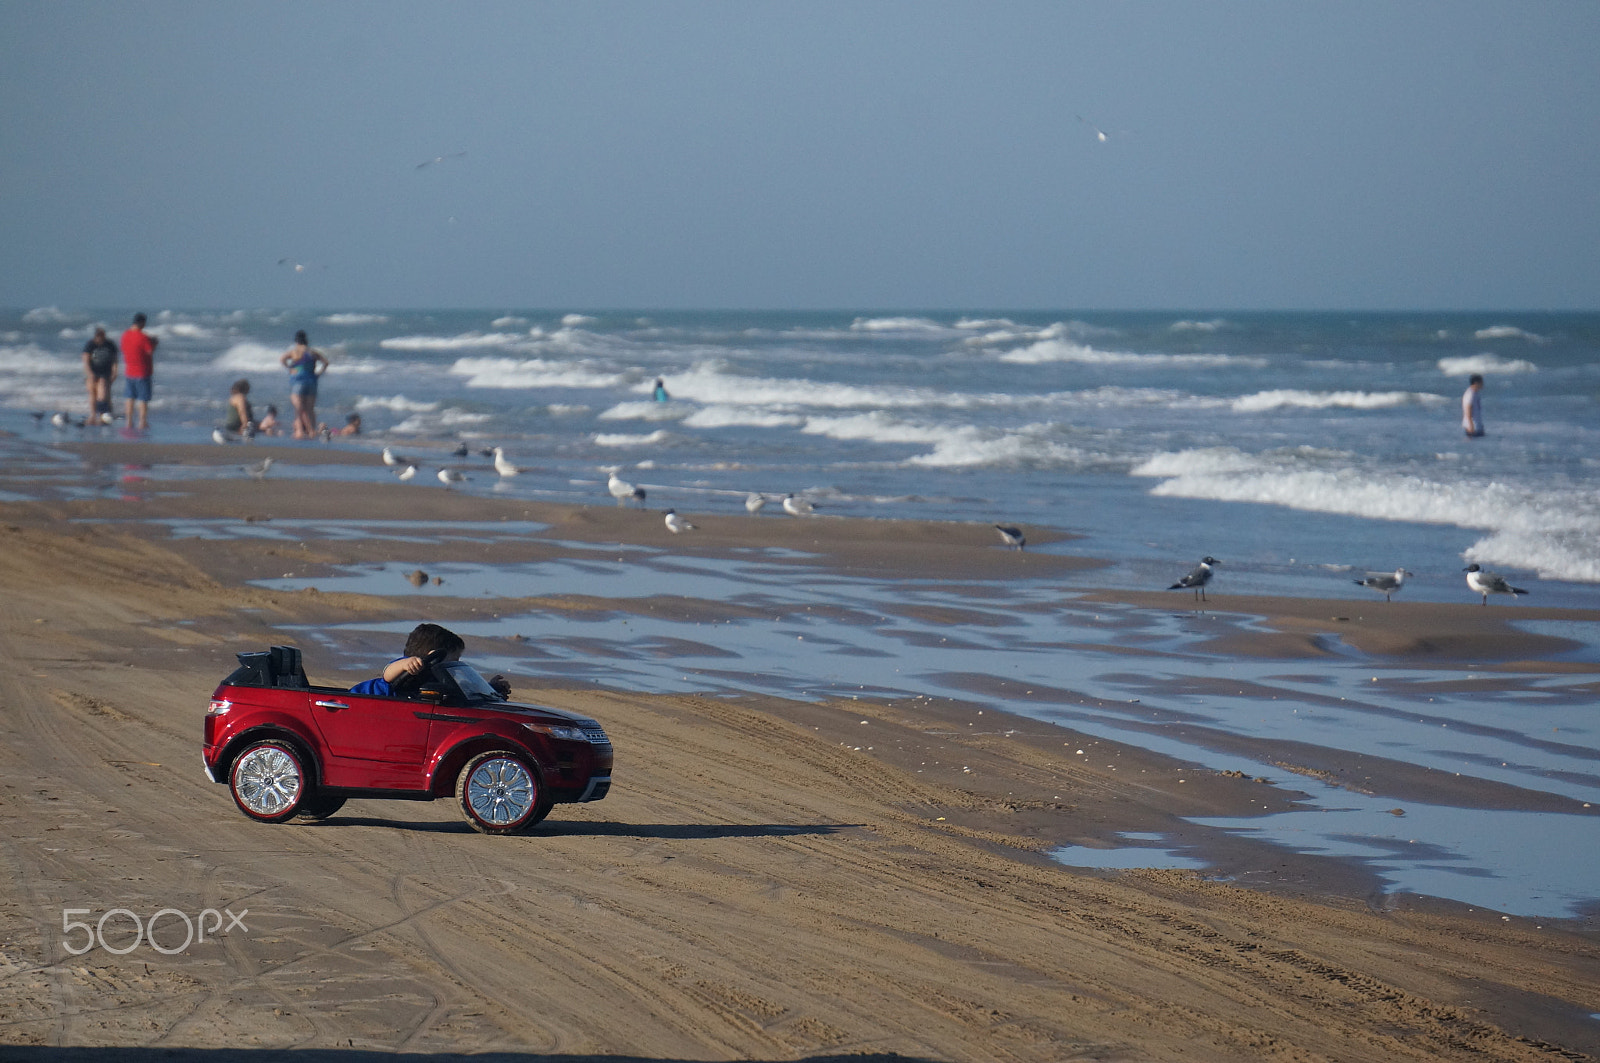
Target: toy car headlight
x=566 y=734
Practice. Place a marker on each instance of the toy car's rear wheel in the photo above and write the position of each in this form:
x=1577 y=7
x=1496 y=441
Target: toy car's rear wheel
x=500 y=794
x=318 y=807
x=268 y=781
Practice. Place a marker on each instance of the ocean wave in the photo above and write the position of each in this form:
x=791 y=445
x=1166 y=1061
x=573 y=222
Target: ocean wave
x=1552 y=531
x=463 y=341
x=719 y=416
x=249 y=356
x=625 y=440
x=439 y=422
x=353 y=319
x=565 y=409
x=1262 y=401
x=645 y=411
x=896 y=324
x=1058 y=350
x=575 y=320
x=48 y=315
x=397 y=403
x=1484 y=363
x=1198 y=326
x=990 y=323
x=509 y=322
x=533 y=373
x=877 y=427
x=31 y=358
x=1507 y=332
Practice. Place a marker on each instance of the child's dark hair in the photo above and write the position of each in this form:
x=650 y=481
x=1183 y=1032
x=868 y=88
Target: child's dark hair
x=431 y=638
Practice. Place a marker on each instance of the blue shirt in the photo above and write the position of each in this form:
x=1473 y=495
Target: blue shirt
x=376 y=688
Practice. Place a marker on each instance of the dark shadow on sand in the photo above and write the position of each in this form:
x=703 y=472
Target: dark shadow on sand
x=608 y=828
x=50 y=1054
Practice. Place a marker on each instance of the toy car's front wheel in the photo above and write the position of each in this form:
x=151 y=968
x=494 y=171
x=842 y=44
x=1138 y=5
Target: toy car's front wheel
x=268 y=781
x=500 y=794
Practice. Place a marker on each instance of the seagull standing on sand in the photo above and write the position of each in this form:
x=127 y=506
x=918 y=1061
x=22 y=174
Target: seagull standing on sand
x=460 y=451
x=393 y=460
x=219 y=437
x=622 y=490
x=258 y=471
x=1384 y=583
x=502 y=465
x=449 y=477
x=1197 y=578
x=676 y=524
x=1487 y=583
x=797 y=507
x=1012 y=536
x=754 y=501
x=407 y=473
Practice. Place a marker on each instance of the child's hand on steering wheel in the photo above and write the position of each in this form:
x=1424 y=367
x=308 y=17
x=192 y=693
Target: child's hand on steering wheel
x=501 y=685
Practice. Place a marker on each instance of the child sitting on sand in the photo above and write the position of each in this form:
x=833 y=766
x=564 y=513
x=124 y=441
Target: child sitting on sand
x=424 y=640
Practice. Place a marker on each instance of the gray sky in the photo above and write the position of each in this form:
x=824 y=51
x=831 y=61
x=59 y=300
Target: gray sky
x=744 y=154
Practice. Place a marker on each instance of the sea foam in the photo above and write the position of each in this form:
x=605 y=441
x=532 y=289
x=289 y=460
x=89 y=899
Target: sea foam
x=1484 y=363
x=1262 y=401
x=353 y=319
x=464 y=341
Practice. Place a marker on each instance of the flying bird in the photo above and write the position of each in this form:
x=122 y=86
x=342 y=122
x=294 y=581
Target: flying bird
x=1384 y=583
x=1197 y=578
x=1487 y=583
x=502 y=465
x=676 y=524
x=754 y=501
x=1099 y=134
x=1012 y=536
x=441 y=158
x=797 y=507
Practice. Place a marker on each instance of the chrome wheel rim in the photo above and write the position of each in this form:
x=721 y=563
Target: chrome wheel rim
x=500 y=791
x=267 y=781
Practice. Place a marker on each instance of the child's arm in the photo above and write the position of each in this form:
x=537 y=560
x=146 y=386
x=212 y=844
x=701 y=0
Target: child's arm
x=501 y=685
x=404 y=666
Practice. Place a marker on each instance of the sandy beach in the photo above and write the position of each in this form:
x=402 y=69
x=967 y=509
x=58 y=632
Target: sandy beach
x=770 y=877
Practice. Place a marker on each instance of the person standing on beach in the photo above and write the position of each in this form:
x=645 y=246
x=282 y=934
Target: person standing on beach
x=138 y=368
x=100 y=369
x=302 y=361
x=1472 y=407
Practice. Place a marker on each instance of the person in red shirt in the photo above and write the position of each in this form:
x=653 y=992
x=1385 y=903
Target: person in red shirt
x=138 y=366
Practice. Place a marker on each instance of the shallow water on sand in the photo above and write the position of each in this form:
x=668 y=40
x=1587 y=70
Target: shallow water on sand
x=1518 y=843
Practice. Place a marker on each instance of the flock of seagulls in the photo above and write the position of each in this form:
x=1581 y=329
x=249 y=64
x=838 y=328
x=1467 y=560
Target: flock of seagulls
x=1385 y=583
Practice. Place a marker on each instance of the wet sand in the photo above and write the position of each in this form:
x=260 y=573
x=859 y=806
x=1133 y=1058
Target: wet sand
x=764 y=881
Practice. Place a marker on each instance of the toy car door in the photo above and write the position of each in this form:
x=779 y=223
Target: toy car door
x=372 y=742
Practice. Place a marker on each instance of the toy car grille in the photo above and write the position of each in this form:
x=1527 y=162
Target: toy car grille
x=596 y=736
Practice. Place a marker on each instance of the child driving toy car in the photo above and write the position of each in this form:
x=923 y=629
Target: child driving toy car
x=425 y=640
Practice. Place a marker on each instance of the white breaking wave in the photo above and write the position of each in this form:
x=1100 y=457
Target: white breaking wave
x=624 y=440
x=991 y=323
x=1507 y=332
x=397 y=403
x=451 y=343
x=249 y=357
x=1057 y=350
x=1322 y=400
x=563 y=409
x=875 y=426
x=48 y=315
x=644 y=411
x=1198 y=326
x=353 y=319
x=436 y=423
x=509 y=322
x=895 y=324
x=742 y=417
x=533 y=373
x=1552 y=531
x=1484 y=363
x=184 y=330
x=30 y=358
x=575 y=320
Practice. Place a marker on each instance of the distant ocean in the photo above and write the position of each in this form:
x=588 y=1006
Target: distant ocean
x=1297 y=447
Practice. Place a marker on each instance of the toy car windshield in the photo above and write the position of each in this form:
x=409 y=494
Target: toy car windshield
x=473 y=686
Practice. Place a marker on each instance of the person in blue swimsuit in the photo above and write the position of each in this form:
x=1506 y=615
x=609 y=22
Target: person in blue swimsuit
x=303 y=362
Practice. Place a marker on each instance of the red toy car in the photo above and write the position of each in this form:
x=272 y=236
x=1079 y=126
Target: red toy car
x=289 y=750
